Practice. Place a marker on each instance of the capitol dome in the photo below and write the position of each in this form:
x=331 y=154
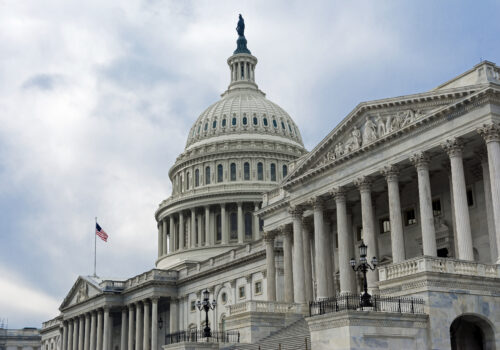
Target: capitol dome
x=239 y=148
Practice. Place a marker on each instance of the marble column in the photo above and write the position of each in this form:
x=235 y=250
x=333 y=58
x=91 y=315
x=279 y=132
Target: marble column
x=69 y=345
x=138 y=326
x=165 y=236
x=86 y=340
x=368 y=221
x=99 y=329
x=75 y=333
x=464 y=235
x=491 y=135
x=131 y=327
x=160 y=239
x=421 y=162
x=287 y=262
x=483 y=156
x=345 y=270
x=154 y=323
x=105 y=341
x=270 y=265
x=81 y=332
x=306 y=236
x=123 y=330
x=182 y=240
x=256 y=224
x=93 y=329
x=173 y=315
x=147 y=326
x=199 y=217
x=223 y=224
x=64 y=343
x=241 y=232
x=173 y=240
x=329 y=254
x=193 y=228
x=298 y=256
x=208 y=236
x=397 y=240
x=320 y=250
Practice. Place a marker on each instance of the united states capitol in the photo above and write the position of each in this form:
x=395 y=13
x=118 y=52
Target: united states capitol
x=263 y=231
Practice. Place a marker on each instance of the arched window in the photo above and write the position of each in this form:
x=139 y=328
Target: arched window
x=206 y=126
x=233 y=226
x=248 y=224
x=289 y=128
x=283 y=125
x=274 y=123
x=220 y=170
x=260 y=171
x=245 y=121
x=199 y=128
x=188 y=180
x=207 y=175
x=246 y=171
x=233 y=121
x=255 y=121
x=181 y=182
x=233 y=172
x=214 y=124
x=197 y=177
x=265 y=121
x=273 y=172
x=285 y=170
x=224 y=122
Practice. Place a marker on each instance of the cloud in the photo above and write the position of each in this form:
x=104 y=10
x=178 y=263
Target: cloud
x=43 y=82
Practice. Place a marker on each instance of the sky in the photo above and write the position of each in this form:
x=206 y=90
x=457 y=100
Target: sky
x=97 y=97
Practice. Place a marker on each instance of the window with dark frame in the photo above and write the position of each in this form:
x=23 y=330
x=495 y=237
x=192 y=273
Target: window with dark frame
x=470 y=197
x=384 y=225
x=410 y=217
x=436 y=207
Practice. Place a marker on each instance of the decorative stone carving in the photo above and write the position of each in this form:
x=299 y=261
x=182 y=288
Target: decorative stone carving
x=338 y=150
x=83 y=292
x=316 y=202
x=390 y=172
x=295 y=211
x=353 y=142
x=407 y=117
x=363 y=183
x=381 y=128
x=369 y=133
x=490 y=132
x=453 y=147
x=420 y=160
x=268 y=236
x=338 y=193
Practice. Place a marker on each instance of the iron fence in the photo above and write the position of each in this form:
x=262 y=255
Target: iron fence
x=198 y=336
x=343 y=302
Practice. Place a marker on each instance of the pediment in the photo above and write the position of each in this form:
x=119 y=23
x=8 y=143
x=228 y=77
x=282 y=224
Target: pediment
x=370 y=124
x=83 y=289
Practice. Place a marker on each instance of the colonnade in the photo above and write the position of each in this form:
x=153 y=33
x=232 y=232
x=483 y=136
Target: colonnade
x=198 y=227
x=93 y=330
x=296 y=253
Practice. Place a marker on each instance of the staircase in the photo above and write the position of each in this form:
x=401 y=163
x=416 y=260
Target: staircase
x=292 y=337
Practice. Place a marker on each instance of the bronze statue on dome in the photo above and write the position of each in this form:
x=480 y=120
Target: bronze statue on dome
x=240 y=28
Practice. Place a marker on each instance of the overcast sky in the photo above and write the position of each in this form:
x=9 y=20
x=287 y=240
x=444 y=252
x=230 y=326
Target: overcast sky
x=97 y=97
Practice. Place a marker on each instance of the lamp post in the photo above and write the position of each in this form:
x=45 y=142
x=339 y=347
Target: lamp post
x=363 y=267
x=206 y=306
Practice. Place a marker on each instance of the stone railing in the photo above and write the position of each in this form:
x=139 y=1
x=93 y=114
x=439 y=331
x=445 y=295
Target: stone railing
x=51 y=323
x=266 y=306
x=151 y=275
x=432 y=264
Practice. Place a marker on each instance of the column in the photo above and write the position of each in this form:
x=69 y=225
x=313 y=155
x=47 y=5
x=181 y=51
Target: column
x=193 y=228
x=491 y=135
x=123 y=331
x=200 y=230
x=181 y=232
x=208 y=235
x=131 y=327
x=86 y=341
x=160 y=239
x=364 y=185
x=165 y=236
x=75 y=333
x=345 y=270
x=241 y=235
x=329 y=255
x=93 y=328
x=69 y=345
x=99 y=330
x=270 y=265
x=320 y=249
x=147 y=326
x=298 y=256
x=174 y=315
x=483 y=156
x=154 y=323
x=306 y=236
x=138 y=326
x=105 y=341
x=64 y=343
x=223 y=223
x=464 y=235
x=81 y=332
x=421 y=162
x=172 y=234
x=287 y=262
x=256 y=223
x=397 y=240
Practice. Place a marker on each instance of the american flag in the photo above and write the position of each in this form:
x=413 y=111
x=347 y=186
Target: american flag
x=100 y=232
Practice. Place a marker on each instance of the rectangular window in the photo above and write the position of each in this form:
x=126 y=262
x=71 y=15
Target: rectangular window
x=233 y=225
x=219 y=227
x=410 y=218
x=241 y=292
x=436 y=207
x=359 y=233
x=470 y=197
x=248 y=225
x=193 y=305
x=258 y=287
x=384 y=225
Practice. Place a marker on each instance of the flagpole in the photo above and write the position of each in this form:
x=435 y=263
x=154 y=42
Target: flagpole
x=95 y=248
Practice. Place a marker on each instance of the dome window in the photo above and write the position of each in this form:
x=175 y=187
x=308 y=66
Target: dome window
x=245 y=121
x=224 y=122
x=233 y=172
x=273 y=172
x=233 y=121
x=233 y=226
x=265 y=121
x=246 y=171
x=260 y=171
x=255 y=121
x=248 y=225
x=285 y=170
x=220 y=171
x=188 y=178
x=214 y=124
x=199 y=128
x=206 y=127
x=197 y=177
x=283 y=125
x=275 y=124
x=289 y=128
x=207 y=175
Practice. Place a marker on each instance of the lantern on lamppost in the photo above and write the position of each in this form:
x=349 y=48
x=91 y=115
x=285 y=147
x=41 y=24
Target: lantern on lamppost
x=206 y=306
x=364 y=266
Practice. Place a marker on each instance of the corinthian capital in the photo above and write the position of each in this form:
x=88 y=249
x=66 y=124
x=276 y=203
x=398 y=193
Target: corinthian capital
x=420 y=160
x=316 y=202
x=268 y=236
x=390 y=172
x=363 y=183
x=338 y=193
x=453 y=147
x=490 y=132
x=285 y=230
x=296 y=211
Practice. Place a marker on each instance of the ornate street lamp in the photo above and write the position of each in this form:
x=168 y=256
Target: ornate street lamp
x=206 y=306
x=363 y=267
